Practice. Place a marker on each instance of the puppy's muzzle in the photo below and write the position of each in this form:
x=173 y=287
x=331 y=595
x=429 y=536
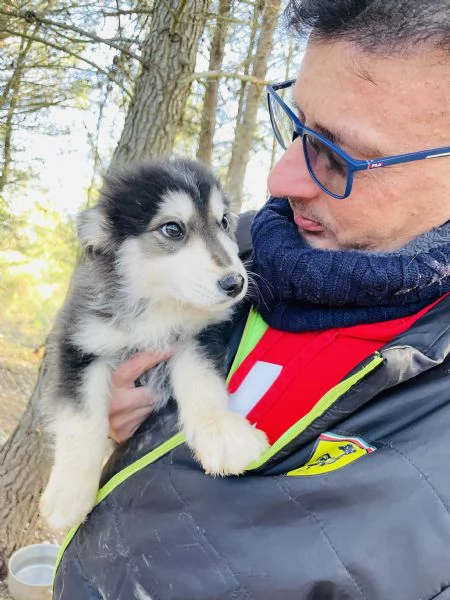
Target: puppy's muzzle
x=232 y=284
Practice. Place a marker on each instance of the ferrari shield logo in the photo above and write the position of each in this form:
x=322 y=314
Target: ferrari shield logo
x=332 y=452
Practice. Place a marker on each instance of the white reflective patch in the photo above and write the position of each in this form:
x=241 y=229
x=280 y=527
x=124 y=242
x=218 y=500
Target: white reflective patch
x=256 y=383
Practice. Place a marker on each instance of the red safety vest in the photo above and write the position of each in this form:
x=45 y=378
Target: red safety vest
x=286 y=374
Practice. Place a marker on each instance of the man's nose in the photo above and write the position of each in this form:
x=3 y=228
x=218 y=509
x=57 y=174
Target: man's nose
x=290 y=177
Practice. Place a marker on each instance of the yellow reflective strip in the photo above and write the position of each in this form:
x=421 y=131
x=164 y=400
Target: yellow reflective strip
x=254 y=321
x=120 y=477
x=142 y=462
x=321 y=406
x=254 y=329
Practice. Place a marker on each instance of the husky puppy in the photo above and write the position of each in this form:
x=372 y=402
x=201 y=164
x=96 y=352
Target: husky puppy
x=159 y=265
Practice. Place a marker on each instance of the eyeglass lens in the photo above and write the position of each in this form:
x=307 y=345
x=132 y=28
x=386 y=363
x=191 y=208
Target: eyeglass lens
x=324 y=165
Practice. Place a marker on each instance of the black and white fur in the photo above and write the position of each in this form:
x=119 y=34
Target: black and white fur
x=159 y=265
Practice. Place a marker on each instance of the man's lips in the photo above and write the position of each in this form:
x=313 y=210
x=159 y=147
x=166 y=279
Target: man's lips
x=307 y=224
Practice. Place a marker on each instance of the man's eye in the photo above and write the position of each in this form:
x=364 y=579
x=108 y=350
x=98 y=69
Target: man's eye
x=315 y=144
x=335 y=163
x=225 y=223
x=172 y=231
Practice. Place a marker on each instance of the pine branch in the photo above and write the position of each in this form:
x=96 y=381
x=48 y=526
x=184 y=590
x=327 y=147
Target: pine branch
x=34 y=17
x=130 y=11
x=228 y=75
x=65 y=50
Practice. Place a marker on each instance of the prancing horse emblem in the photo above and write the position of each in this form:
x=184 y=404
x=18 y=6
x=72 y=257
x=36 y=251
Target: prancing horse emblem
x=331 y=452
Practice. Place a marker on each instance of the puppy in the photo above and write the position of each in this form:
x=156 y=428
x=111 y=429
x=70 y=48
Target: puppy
x=159 y=265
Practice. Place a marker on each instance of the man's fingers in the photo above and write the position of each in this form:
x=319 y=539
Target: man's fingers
x=126 y=374
x=127 y=401
x=130 y=405
x=121 y=431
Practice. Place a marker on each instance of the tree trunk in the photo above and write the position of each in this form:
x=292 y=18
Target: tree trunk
x=150 y=126
x=208 y=122
x=246 y=126
x=163 y=85
x=258 y=10
x=24 y=470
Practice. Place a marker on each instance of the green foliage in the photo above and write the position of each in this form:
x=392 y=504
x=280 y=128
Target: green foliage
x=81 y=89
x=79 y=71
x=35 y=270
x=54 y=55
x=58 y=54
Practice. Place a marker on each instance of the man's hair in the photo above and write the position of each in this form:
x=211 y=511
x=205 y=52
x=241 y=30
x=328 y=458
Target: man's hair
x=378 y=26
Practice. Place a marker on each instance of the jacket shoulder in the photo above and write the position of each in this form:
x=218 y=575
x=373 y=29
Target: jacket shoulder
x=243 y=234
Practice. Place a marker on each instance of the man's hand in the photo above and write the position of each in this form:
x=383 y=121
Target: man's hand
x=131 y=405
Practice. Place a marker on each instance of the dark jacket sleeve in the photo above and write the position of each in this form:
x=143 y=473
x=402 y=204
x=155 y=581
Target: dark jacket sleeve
x=376 y=529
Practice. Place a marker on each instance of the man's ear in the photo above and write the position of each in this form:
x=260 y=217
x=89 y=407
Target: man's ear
x=93 y=231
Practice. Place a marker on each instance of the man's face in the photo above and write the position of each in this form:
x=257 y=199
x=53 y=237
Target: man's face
x=375 y=107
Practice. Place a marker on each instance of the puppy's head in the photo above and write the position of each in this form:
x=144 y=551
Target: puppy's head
x=169 y=228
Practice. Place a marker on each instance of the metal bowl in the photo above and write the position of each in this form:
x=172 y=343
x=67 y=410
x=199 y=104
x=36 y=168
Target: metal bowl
x=30 y=572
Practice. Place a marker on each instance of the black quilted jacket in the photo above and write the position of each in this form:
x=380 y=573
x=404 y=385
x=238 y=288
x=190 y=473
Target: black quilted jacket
x=376 y=529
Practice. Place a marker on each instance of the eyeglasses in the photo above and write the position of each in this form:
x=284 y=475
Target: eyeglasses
x=330 y=167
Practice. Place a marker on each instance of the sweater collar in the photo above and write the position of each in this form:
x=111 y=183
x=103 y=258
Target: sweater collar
x=304 y=289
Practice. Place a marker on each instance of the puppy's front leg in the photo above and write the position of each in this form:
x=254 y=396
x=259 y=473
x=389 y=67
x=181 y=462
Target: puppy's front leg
x=224 y=442
x=80 y=432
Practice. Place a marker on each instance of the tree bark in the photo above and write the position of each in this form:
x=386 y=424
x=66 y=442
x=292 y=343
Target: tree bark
x=24 y=470
x=208 y=122
x=257 y=13
x=164 y=82
x=245 y=127
x=150 y=127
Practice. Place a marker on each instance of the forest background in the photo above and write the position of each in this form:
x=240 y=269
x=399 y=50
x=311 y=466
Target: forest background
x=86 y=88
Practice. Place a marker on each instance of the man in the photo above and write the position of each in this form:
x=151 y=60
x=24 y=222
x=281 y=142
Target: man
x=349 y=345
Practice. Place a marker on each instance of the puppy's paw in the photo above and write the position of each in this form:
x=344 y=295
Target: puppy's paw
x=66 y=504
x=226 y=443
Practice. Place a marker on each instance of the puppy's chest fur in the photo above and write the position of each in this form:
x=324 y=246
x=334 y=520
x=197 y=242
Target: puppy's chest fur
x=118 y=335
x=160 y=271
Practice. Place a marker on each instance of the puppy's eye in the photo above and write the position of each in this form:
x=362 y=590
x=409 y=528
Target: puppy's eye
x=225 y=223
x=172 y=231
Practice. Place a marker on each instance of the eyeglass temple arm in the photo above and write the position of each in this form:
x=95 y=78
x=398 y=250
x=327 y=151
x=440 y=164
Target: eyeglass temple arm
x=410 y=157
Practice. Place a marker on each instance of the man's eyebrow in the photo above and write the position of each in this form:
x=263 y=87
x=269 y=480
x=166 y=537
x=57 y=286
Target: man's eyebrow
x=351 y=147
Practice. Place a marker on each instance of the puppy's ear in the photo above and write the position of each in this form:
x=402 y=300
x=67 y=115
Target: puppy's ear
x=93 y=230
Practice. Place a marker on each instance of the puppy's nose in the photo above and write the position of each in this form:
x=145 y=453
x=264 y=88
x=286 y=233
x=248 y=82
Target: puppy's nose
x=231 y=284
